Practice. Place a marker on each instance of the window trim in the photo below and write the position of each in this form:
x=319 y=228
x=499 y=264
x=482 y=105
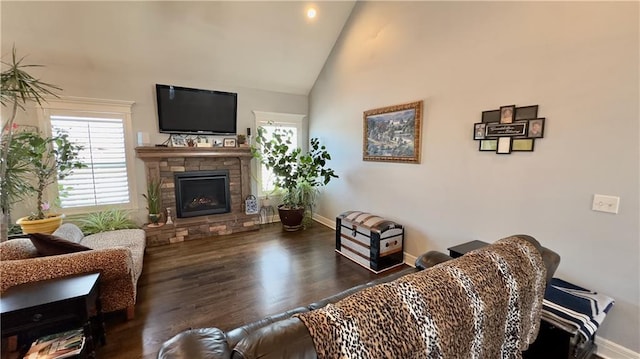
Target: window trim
x=279 y=118
x=79 y=106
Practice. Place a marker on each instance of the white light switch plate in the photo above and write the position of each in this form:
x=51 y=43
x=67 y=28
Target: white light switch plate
x=604 y=203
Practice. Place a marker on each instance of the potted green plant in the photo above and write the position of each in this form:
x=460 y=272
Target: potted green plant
x=17 y=89
x=298 y=174
x=154 y=198
x=107 y=220
x=15 y=184
x=46 y=159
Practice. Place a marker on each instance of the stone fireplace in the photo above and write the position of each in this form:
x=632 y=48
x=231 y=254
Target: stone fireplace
x=215 y=182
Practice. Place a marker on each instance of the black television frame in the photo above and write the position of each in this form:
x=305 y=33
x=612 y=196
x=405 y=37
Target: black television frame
x=162 y=126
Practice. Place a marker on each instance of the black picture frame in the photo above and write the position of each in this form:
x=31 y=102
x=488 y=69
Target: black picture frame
x=509 y=129
x=522 y=145
x=491 y=116
x=488 y=145
x=507 y=113
x=526 y=112
x=514 y=129
x=535 y=129
x=504 y=145
x=479 y=131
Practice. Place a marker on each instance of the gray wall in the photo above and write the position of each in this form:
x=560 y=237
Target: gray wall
x=95 y=64
x=577 y=61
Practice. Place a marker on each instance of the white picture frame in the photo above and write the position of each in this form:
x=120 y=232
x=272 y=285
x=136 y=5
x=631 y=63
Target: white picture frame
x=178 y=141
x=504 y=145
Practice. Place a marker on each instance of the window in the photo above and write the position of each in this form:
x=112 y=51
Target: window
x=104 y=179
x=102 y=129
x=271 y=121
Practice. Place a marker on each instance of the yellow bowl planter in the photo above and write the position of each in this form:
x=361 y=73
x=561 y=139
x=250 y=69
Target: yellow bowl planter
x=47 y=225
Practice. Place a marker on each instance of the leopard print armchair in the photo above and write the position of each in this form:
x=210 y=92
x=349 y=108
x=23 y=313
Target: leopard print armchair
x=117 y=255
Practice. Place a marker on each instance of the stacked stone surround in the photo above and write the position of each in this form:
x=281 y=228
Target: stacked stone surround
x=163 y=162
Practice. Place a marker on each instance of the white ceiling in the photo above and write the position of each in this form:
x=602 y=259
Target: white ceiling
x=265 y=45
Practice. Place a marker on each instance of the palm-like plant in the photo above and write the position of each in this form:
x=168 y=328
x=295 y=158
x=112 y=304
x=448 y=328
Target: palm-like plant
x=108 y=220
x=15 y=185
x=17 y=88
x=153 y=197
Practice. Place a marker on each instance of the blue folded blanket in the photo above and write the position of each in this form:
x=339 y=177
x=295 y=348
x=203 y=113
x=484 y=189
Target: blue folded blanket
x=578 y=307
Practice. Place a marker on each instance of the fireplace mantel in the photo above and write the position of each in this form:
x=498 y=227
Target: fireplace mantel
x=161 y=163
x=170 y=152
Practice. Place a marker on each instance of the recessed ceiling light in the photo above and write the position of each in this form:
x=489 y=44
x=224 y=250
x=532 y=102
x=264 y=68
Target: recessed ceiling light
x=311 y=13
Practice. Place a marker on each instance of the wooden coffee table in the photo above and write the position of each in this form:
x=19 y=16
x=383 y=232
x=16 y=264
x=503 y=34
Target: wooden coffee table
x=34 y=309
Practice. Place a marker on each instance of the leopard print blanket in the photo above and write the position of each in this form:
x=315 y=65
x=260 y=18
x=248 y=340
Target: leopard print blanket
x=486 y=304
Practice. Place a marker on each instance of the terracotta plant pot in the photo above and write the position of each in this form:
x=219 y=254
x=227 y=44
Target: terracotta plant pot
x=154 y=219
x=291 y=218
x=47 y=225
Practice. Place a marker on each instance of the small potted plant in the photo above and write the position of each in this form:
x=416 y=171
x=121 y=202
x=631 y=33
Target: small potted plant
x=47 y=159
x=108 y=220
x=299 y=175
x=154 y=204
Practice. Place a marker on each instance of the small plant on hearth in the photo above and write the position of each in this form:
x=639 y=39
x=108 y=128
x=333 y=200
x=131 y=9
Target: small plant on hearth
x=153 y=198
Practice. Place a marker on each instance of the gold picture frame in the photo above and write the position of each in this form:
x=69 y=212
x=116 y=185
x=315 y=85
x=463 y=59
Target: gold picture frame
x=392 y=133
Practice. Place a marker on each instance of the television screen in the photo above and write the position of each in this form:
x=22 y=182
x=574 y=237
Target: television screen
x=193 y=111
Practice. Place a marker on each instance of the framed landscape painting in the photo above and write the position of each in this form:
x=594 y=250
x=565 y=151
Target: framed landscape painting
x=392 y=133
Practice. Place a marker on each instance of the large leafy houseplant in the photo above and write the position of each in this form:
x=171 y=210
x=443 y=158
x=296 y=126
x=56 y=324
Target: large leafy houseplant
x=17 y=89
x=298 y=174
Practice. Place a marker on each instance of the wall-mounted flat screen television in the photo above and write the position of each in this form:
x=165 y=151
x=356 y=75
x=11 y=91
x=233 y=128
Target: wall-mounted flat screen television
x=192 y=111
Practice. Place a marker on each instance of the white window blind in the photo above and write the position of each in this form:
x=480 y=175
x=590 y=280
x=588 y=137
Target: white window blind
x=104 y=181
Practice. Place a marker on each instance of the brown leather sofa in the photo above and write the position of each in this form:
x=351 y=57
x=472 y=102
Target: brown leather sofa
x=282 y=336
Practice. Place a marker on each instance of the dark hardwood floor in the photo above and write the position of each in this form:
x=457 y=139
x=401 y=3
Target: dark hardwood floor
x=228 y=281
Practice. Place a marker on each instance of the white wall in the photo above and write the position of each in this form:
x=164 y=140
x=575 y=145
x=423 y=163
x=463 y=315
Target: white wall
x=577 y=61
x=85 y=72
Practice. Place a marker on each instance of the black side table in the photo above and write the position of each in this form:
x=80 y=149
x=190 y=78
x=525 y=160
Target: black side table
x=461 y=249
x=31 y=310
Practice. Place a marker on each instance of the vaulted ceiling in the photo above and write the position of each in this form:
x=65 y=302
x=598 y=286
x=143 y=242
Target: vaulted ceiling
x=265 y=45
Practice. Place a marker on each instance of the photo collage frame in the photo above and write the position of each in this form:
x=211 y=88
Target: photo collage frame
x=509 y=129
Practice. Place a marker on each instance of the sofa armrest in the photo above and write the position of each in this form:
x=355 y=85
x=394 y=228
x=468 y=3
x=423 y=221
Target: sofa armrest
x=551 y=262
x=204 y=343
x=285 y=339
x=112 y=263
x=430 y=259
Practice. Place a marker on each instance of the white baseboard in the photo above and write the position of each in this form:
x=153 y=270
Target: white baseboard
x=610 y=350
x=409 y=259
x=331 y=223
